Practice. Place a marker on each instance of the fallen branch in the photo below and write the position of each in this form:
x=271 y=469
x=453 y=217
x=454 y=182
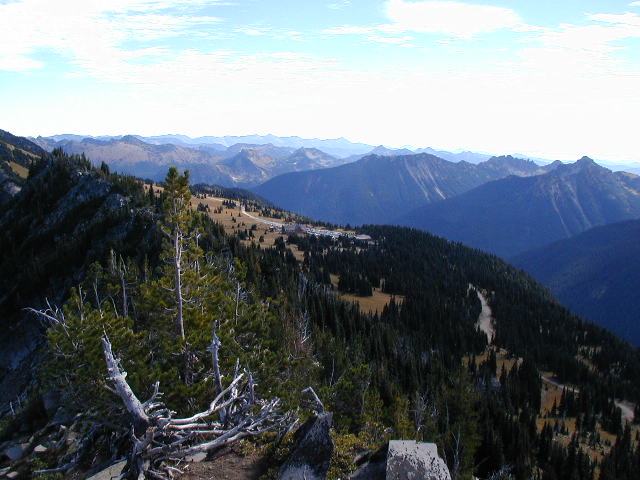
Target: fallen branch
x=158 y=439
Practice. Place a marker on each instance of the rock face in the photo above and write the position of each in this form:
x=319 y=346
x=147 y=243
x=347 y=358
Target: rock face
x=313 y=449
x=409 y=460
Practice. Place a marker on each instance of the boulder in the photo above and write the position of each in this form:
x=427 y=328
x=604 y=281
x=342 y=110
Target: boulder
x=312 y=451
x=39 y=449
x=410 y=460
x=16 y=452
x=197 y=457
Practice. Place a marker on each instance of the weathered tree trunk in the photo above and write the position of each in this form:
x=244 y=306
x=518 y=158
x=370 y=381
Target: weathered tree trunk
x=122 y=273
x=177 y=258
x=118 y=377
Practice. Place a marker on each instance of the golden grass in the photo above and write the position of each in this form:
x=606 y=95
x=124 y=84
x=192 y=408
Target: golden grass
x=19 y=170
x=375 y=303
x=13 y=147
x=371 y=305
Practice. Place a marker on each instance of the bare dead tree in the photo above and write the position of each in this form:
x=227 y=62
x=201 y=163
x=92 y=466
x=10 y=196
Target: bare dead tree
x=419 y=410
x=456 y=454
x=319 y=407
x=423 y=407
x=177 y=265
x=239 y=296
x=303 y=330
x=503 y=473
x=51 y=316
x=122 y=274
x=159 y=440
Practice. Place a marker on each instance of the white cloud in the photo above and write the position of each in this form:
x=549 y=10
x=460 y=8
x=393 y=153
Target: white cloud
x=583 y=49
x=450 y=18
x=390 y=40
x=86 y=31
x=349 y=30
x=634 y=4
x=339 y=5
x=454 y=19
x=631 y=19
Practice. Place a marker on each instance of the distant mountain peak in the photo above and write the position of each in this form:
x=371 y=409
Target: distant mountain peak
x=381 y=150
x=390 y=152
x=586 y=160
x=133 y=140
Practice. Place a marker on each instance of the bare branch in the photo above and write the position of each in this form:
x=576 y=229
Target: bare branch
x=312 y=392
x=163 y=438
x=118 y=377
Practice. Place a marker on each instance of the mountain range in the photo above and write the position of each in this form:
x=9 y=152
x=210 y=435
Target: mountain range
x=516 y=214
x=503 y=205
x=241 y=164
x=379 y=188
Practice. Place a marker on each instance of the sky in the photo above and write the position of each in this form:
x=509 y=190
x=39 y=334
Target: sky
x=552 y=79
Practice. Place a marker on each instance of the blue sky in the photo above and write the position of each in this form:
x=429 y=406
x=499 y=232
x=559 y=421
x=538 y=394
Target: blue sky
x=544 y=78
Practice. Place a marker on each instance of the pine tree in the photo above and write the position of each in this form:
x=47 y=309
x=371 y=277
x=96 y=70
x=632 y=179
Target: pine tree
x=176 y=228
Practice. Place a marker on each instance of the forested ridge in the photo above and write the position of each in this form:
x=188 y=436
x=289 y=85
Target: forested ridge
x=417 y=369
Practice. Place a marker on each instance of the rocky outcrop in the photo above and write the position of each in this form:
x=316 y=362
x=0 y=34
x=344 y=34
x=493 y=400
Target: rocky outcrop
x=312 y=452
x=404 y=460
x=409 y=460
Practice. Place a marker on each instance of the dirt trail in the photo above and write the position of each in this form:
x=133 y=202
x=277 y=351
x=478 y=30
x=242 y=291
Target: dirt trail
x=625 y=407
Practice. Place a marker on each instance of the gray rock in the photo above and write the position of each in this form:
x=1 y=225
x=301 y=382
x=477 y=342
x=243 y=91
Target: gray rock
x=12 y=475
x=197 y=458
x=409 y=460
x=16 y=452
x=313 y=450
x=113 y=471
x=40 y=449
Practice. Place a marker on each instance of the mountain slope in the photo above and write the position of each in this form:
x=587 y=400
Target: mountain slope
x=16 y=155
x=66 y=216
x=595 y=274
x=376 y=189
x=516 y=214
